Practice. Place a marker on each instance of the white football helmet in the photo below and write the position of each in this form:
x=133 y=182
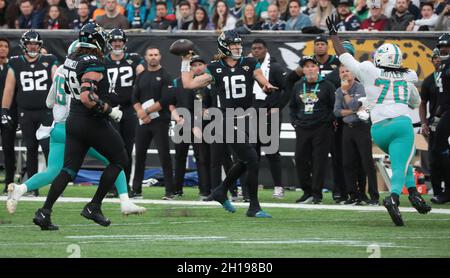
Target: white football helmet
x=73 y=47
x=389 y=56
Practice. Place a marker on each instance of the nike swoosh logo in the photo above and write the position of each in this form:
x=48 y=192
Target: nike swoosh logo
x=43 y=216
x=89 y=211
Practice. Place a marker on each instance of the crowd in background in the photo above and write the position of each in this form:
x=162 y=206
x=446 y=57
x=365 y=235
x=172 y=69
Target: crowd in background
x=243 y=15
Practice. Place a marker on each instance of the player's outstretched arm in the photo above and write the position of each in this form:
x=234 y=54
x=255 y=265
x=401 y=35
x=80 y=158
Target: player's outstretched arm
x=263 y=82
x=333 y=31
x=187 y=76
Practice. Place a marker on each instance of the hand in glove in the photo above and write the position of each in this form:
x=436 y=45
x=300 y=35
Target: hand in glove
x=7 y=120
x=332 y=22
x=116 y=114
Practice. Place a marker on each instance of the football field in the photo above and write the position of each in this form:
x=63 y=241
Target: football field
x=185 y=228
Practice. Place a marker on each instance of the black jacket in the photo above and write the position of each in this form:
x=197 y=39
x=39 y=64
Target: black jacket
x=312 y=104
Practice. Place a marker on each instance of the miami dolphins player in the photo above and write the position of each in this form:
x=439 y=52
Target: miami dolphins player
x=391 y=96
x=59 y=101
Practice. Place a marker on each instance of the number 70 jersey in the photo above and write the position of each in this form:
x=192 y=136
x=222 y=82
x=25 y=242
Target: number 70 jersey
x=33 y=80
x=387 y=92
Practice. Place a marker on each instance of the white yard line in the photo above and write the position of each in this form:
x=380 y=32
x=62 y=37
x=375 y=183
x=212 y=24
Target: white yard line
x=215 y=204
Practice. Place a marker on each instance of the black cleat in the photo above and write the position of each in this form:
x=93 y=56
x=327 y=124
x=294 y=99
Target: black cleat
x=94 y=212
x=43 y=220
x=440 y=199
x=392 y=207
x=419 y=203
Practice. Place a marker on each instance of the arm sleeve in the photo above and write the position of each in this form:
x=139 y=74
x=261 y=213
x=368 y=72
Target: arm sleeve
x=358 y=69
x=338 y=104
x=280 y=75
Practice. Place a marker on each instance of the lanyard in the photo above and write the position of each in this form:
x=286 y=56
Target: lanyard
x=315 y=88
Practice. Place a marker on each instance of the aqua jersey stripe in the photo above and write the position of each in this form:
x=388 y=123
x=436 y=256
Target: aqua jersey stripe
x=396 y=54
x=97 y=69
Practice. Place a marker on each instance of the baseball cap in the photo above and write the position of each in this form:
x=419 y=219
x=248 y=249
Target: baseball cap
x=307 y=59
x=321 y=38
x=197 y=58
x=374 y=4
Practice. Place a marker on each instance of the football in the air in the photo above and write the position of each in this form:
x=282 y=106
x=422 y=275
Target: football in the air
x=181 y=47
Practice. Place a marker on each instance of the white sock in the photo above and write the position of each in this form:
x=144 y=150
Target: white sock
x=124 y=198
x=22 y=188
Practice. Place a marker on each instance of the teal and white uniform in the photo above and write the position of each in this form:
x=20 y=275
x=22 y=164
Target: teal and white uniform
x=390 y=96
x=59 y=101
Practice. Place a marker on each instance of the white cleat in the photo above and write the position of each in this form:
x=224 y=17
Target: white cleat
x=128 y=208
x=14 y=194
x=278 y=192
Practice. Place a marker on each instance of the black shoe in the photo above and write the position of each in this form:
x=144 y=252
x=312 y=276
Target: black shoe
x=94 y=212
x=373 y=202
x=440 y=199
x=340 y=201
x=135 y=195
x=392 y=207
x=305 y=199
x=419 y=203
x=43 y=220
x=178 y=193
x=353 y=202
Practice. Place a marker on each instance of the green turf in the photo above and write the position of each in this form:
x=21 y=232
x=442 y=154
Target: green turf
x=185 y=231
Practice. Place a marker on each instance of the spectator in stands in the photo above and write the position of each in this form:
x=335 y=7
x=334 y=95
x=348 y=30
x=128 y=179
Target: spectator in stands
x=274 y=22
x=428 y=20
x=3 y=7
x=112 y=18
x=221 y=18
x=443 y=10
x=12 y=14
x=377 y=19
x=209 y=6
x=361 y=10
x=283 y=8
x=194 y=5
x=29 y=19
x=324 y=10
x=136 y=13
x=400 y=17
x=71 y=11
x=55 y=19
x=101 y=9
x=413 y=9
x=260 y=8
x=153 y=10
x=311 y=7
x=297 y=20
x=184 y=15
x=356 y=139
x=162 y=20
x=248 y=21
x=238 y=9
x=201 y=20
x=83 y=16
x=347 y=20
x=62 y=6
x=388 y=6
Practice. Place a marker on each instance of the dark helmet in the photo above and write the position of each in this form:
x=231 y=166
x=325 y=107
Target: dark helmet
x=92 y=36
x=443 y=40
x=224 y=41
x=117 y=34
x=30 y=36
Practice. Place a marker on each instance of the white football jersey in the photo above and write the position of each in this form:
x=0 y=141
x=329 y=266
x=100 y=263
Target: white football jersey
x=57 y=98
x=387 y=92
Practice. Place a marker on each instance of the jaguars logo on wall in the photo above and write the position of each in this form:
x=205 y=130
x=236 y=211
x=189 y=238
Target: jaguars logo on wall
x=416 y=55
